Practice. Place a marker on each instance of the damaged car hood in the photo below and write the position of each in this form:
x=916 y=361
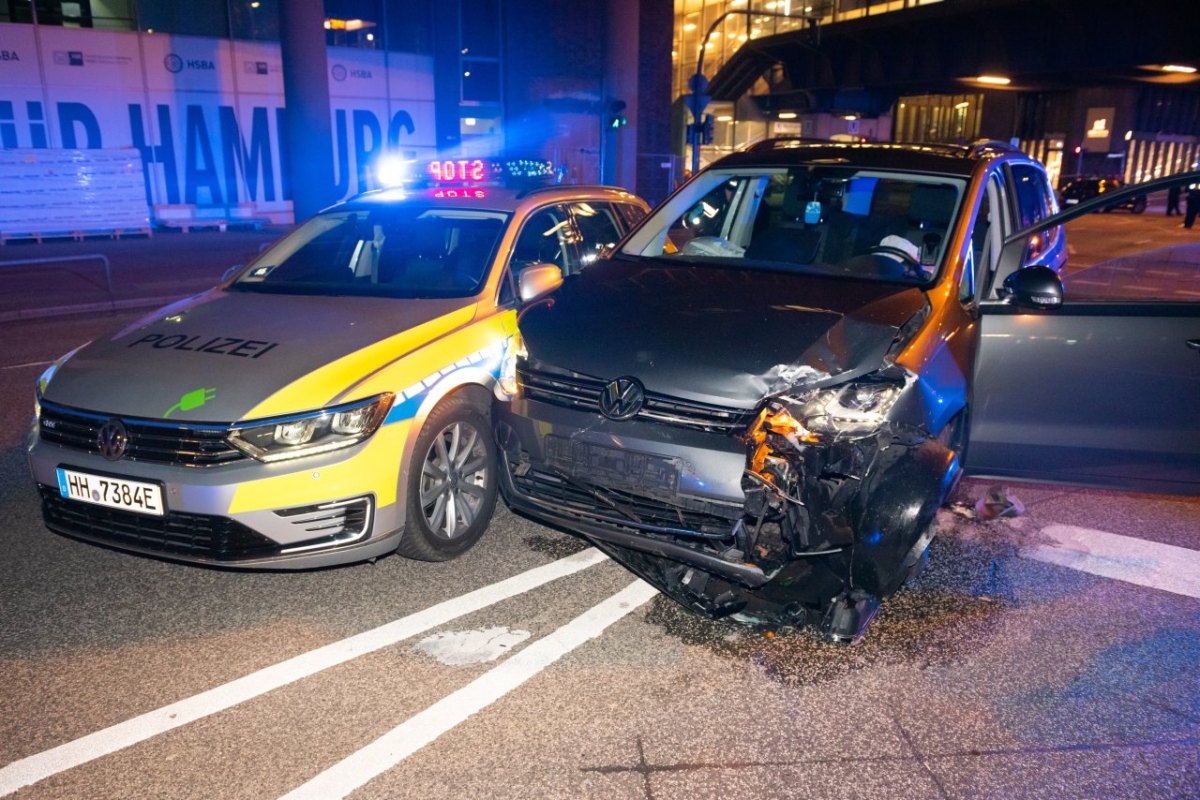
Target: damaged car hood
x=727 y=337
x=216 y=356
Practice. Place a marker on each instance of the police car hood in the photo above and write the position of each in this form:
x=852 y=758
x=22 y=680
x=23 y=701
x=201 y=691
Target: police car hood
x=219 y=356
x=716 y=335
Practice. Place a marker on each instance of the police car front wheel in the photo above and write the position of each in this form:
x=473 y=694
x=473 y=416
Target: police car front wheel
x=451 y=485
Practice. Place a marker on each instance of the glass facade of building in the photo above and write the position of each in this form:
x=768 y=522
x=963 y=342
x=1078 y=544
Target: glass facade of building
x=1158 y=126
x=738 y=125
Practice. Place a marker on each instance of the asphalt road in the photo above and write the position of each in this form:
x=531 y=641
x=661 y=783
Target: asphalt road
x=1052 y=655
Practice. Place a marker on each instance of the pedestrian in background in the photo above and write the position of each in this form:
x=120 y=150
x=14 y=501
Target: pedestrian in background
x=1193 y=205
x=1173 y=200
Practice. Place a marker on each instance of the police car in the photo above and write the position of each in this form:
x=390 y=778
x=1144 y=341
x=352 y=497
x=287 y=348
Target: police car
x=329 y=402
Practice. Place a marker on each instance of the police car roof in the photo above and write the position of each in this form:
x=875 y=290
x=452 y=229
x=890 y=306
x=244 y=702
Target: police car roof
x=484 y=198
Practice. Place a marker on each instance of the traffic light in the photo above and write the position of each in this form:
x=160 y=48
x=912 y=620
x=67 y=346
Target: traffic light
x=616 y=114
x=706 y=132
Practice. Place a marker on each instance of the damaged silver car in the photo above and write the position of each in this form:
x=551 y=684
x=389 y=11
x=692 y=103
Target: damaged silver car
x=760 y=401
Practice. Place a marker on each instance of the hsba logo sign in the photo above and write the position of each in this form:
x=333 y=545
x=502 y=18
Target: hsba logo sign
x=176 y=63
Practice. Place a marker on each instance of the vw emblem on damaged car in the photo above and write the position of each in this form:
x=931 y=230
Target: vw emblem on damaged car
x=112 y=439
x=622 y=398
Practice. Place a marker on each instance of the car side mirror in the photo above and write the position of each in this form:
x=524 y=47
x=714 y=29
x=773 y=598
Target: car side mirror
x=228 y=274
x=537 y=279
x=1034 y=287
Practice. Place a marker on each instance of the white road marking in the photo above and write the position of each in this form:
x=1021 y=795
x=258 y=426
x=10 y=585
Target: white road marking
x=117 y=737
x=459 y=648
x=410 y=736
x=28 y=364
x=1124 y=558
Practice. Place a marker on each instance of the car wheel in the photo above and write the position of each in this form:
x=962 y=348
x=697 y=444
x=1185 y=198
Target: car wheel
x=1139 y=205
x=451 y=484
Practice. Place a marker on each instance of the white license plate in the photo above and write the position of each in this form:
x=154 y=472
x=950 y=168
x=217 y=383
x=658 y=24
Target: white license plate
x=1070 y=201
x=104 y=490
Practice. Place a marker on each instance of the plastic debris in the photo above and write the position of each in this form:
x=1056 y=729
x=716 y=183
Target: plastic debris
x=998 y=503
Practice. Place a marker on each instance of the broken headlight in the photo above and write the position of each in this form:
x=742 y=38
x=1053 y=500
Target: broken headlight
x=859 y=407
x=315 y=432
x=514 y=350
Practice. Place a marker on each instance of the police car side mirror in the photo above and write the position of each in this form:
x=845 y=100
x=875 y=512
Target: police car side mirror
x=537 y=279
x=1033 y=287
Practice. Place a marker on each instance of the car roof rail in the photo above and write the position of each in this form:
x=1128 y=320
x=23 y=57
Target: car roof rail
x=777 y=142
x=982 y=146
x=572 y=186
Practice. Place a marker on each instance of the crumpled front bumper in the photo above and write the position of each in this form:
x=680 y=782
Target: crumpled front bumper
x=862 y=518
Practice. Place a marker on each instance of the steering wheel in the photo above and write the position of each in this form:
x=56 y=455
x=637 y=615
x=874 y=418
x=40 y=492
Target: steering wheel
x=911 y=265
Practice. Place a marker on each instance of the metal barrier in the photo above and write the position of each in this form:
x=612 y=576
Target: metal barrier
x=103 y=259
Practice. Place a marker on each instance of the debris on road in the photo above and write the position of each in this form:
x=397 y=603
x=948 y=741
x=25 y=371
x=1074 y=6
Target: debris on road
x=997 y=503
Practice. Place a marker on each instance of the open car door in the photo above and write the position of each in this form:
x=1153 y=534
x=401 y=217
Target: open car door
x=1091 y=374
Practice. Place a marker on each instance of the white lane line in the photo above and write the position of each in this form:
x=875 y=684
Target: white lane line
x=80 y=751
x=410 y=736
x=1125 y=558
x=29 y=364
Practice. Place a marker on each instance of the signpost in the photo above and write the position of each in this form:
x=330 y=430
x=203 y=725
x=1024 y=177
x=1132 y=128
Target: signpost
x=698 y=83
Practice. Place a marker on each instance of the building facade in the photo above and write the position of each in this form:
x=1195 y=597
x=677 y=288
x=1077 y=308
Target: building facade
x=197 y=88
x=1080 y=84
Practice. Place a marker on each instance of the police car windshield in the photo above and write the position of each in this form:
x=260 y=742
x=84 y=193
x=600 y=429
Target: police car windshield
x=402 y=251
x=823 y=220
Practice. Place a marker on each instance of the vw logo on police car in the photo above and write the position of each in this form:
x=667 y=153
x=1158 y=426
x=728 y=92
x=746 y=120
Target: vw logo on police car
x=622 y=398
x=112 y=439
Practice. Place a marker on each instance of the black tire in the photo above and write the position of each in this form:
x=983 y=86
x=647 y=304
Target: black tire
x=1139 y=205
x=466 y=500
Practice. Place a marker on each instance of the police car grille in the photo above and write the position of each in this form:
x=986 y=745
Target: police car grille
x=584 y=394
x=149 y=441
x=175 y=533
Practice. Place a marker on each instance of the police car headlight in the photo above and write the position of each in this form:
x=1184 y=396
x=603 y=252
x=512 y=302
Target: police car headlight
x=308 y=434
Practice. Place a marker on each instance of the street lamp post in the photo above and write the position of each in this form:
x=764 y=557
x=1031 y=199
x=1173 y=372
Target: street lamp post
x=699 y=84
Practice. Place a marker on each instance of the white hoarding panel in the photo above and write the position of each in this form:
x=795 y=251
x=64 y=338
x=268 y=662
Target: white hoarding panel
x=207 y=118
x=257 y=175
x=105 y=60
x=356 y=73
x=81 y=117
x=410 y=76
x=24 y=119
x=259 y=67
x=18 y=56
x=212 y=151
x=188 y=64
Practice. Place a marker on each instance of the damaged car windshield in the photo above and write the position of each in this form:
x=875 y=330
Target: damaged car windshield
x=406 y=252
x=841 y=221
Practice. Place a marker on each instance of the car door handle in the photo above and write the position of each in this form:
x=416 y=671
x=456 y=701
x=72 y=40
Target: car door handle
x=1194 y=344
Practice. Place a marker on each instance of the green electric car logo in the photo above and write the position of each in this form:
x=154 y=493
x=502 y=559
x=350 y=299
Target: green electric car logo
x=191 y=400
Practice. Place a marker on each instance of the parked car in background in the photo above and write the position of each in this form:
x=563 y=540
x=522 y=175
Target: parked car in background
x=329 y=402
x=1076 y=190
x=760 y=401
